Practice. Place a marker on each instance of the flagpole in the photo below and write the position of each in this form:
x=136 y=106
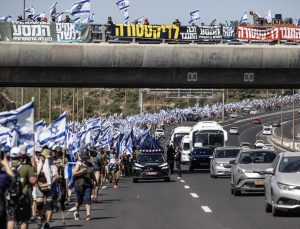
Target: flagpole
x=39 y=97
x=83 y=105
x=77 y=104
x=125 y=102
x=22 y=96
x=17 y=96
x=73 y=106
x=50 y=104
x=100 y=100
x=61 y=99
x=24 y=7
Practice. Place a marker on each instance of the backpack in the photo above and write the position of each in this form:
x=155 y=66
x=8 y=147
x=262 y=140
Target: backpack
x=15 y=191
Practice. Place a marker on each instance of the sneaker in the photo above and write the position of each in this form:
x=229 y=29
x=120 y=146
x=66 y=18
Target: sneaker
x=32 y=218
x=88 y=217
x=46 y=226
x=76 y=215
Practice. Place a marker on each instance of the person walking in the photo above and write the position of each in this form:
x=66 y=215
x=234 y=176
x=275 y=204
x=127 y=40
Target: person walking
x=178 y=160
x=170 y=157
x=18 y=209
x=84 y=177
x=95 y=160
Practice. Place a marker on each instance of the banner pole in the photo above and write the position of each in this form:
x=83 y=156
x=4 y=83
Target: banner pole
x=24 y=7
x=73 y=106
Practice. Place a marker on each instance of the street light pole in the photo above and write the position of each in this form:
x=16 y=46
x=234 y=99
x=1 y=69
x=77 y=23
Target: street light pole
x=223 y=108
x=24 y=7
x=293 y=119
x=141 y=100
x=281 y=129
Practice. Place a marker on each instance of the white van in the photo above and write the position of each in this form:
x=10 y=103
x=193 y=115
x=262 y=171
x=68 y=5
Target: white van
x=185 y=149
x=178 y=134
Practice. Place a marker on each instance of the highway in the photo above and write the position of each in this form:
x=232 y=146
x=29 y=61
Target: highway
x=193 y=201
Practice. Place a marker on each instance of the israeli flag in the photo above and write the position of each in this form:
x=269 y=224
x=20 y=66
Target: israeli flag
x=52 y=10
x=6 y=18
x=41 y=16
x=126 y=15
x=123 y=4
x=55 y=133
x=298 y=22
x=213 y=23
x=30 y=10
x=5 y=136
x=244 y=18
x=21 y=121
x=90 y=19
x=268 y=16
x=59 y=18
x=81 y=7
x=139 y=20
x=195 y=15
x=77 y=20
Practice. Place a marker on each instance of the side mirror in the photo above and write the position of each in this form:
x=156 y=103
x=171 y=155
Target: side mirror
x=211 y=157
x=269 y=171
x=232 y=162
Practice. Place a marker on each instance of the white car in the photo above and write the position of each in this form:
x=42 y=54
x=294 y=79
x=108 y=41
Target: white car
x=253 y=112
x=268 y=146
x=267 y=130
x=259 y=144
x=234 y=130
x=233 y=115
x=159 y=133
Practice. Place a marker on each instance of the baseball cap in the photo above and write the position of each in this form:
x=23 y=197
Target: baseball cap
x=15 y=152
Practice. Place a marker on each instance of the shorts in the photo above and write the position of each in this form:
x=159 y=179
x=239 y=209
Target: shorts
x=83 y=194
x=40 y=194
x=19 y=213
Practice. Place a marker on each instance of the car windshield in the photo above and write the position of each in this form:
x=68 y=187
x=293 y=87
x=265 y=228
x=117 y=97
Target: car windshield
x=234 y=128
x=150 y=158
x=290 y=165
x=257 y=157
x=229 y=153
x=204 y=151
x=186 y=146
x=259 y=141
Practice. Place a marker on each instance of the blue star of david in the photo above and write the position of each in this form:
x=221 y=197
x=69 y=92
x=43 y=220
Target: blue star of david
x=12 y=124
x=53 y=130
x=79 y=7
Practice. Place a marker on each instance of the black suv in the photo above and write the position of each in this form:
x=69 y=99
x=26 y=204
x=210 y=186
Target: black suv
x=200 y=158
x=151 y=166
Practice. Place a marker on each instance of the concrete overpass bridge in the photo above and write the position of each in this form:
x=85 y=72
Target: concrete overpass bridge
x=151 y=66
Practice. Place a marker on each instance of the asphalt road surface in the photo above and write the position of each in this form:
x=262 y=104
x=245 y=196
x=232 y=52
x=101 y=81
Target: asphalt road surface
x=193 y=201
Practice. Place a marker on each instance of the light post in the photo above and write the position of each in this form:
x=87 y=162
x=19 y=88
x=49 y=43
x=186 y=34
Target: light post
x=223 y=107
x=24 y=7
x=281 y=129
x=293 y=119
x=141 y=100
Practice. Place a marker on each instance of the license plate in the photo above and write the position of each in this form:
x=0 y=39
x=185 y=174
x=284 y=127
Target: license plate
x=259 y=182
x=151 y=173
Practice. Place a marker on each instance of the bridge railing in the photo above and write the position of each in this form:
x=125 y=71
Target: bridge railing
x=286 y=143
x=148 y=34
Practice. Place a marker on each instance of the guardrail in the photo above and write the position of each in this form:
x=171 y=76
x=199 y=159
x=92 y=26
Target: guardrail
x=285 y=143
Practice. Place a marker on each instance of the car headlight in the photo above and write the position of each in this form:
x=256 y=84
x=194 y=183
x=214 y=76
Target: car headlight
x=165 y=167
x=220 y=164
x=137 y=166
x=285 y=186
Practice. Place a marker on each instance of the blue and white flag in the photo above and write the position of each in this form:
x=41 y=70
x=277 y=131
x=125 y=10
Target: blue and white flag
x=30 y=10
x=123 y=4
x=81 y=7
x=213 y=23
x=139 y=20
x=59 y=18
x=5 y=136
x=126 y=15
x=90 y=19
x=244 y=18
x=298 y=22
x=6 y=18
x=77 y=20
x=52 y=10
x=55 y=134
x=39 y=16
x=227 y=24
x=268 y=16
x=21 y=121
x=194 y=15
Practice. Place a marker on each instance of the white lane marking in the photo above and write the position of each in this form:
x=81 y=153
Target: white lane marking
x=206 y=209
x=194 y=195
x=187 y=187
x=183 y=181
x=104 y=187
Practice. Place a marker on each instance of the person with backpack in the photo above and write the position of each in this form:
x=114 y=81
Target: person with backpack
x=84 y=177
x=6 y=176
x=46 y=175
x=19 y=195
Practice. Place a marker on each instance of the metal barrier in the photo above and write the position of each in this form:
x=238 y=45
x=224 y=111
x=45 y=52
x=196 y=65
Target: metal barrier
x=286 y=143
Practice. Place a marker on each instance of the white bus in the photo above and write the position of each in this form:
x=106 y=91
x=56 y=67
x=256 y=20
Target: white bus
x=207 y=133
x=178 y=134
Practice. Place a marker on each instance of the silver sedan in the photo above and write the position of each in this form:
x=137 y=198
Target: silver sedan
x=219 y=164
x=282 y=183
x=248 y=170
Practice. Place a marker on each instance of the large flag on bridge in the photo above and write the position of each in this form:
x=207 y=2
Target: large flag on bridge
x=81 y=7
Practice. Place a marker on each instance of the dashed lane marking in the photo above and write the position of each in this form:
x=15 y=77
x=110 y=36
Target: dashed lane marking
x=206 y=209
x=194 y=195
x=187 y=187
x=183 y=181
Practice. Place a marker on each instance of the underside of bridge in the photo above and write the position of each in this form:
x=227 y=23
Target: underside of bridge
x=149 y=77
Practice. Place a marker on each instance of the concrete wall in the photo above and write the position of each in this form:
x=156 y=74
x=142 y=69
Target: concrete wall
x=148 y=56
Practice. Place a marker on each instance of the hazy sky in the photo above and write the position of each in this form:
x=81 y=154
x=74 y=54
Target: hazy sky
x=164 y=11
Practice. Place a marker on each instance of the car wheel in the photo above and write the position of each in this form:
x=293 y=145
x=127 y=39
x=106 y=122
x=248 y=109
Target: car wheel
x=236 y=192
x=135 y=180
x=167 y=179
x=275 y=211
x=268 y=207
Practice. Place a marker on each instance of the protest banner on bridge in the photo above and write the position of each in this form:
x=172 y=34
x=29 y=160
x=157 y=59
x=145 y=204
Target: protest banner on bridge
x=290 y=33
x=229 y=32
x=200 y=33
x=251 y=33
